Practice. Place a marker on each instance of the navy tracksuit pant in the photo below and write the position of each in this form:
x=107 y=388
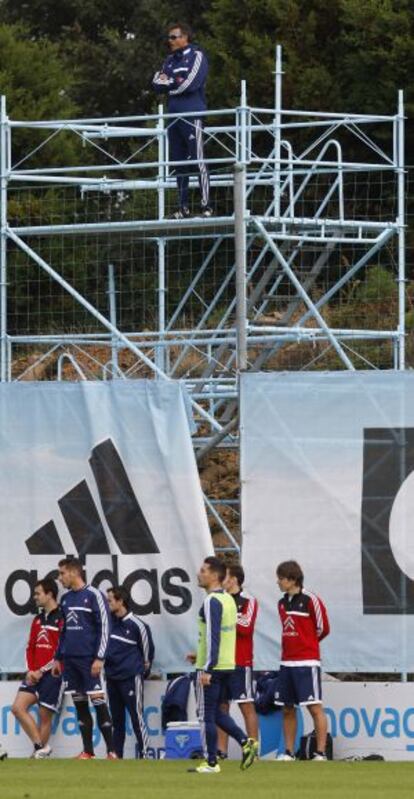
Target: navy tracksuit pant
x=127 y=695
x=209 y=698
x=185 y=138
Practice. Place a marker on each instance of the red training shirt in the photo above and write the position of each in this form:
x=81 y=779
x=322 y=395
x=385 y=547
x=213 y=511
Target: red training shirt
x=304 y=624
x=43 y=640
x=246 y=618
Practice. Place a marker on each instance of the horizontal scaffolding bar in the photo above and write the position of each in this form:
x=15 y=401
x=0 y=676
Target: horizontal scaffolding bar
x=297 y=162
x=220 y=222
x=139 y=226
x=256 y=335
x=93 y=121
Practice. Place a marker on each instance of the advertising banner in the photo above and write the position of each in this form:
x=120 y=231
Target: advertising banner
x=363 y=718
x=327 y=468
x=105 y=472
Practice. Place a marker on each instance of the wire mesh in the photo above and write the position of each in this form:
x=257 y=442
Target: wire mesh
x=173 y=287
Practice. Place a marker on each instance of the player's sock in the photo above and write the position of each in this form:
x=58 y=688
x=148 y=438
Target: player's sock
x=38 y=746
x=104 y=722
x=85 y=723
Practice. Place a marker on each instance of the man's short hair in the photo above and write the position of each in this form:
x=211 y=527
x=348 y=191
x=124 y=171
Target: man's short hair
x=49 y=586
x=237 y=571
x=217 y=566
x=291 y=570
x=184 y=28
x=74 y=564
x=120 y=593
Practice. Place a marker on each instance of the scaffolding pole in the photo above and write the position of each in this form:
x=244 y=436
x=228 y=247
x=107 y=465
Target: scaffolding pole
x=401 y=233
x=3 y=240
x=240 y=246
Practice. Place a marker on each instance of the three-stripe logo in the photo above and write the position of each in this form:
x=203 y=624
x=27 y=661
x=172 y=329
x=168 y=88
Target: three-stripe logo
x=152 y=589
x=120 y=507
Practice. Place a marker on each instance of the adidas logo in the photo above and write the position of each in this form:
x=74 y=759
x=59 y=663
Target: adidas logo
x=129 y=528
x=120 y=506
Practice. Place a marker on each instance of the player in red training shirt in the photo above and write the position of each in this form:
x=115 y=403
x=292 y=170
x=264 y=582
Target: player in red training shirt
x=304 y=624
x=39 y=686
x=241 y=681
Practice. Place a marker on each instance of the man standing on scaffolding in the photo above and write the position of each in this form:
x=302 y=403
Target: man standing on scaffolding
x=183 y=76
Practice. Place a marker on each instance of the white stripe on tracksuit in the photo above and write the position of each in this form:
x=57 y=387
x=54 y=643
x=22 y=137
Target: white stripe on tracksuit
x=103 y=643
x=139 y=692
x=199 y=692
x=318 y=612
x=191 y=76
x=144 y=636
x=204 y=181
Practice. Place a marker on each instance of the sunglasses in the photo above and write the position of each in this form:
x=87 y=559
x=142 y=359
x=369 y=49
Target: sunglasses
x=175 y=36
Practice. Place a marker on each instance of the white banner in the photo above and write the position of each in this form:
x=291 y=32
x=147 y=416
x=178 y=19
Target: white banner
x=65 y=739
x=363 y=718
x=105 y=471
x=327 y=467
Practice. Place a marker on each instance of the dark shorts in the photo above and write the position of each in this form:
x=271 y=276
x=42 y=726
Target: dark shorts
x=239 y=686
x=77 y=677
x=299 y=685
x=48 y=691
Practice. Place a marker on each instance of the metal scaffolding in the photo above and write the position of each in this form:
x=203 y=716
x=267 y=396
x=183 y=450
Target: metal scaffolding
x=295 y=225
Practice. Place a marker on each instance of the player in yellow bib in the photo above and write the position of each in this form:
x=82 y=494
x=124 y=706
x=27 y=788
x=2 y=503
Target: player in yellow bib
x=215 y=662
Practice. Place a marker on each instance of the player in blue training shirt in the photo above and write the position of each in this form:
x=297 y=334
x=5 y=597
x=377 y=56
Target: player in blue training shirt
x=183 y=77
x=82 y=650
x=128 y=662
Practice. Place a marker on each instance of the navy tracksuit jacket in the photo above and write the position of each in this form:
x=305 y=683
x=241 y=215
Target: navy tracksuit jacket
x=128 y=661
x=186 y=73
x=86 y=624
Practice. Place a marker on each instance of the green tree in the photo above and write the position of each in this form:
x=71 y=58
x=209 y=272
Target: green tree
x=37 y=86
x=110 y=49
x=346 y=56
x=33 y=76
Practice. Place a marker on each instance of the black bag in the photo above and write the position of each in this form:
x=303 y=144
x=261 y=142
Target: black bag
x=359 y=758
x=267 y=685
x=308 y=746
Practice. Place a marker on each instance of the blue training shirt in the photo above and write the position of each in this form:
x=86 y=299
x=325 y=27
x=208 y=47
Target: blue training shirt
x=130 y=648
x=186 y=74
x=86 y=624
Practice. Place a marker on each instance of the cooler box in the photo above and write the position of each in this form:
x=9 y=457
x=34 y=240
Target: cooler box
x=183 y=740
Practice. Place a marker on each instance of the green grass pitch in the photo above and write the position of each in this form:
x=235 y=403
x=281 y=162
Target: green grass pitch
x=131 y=779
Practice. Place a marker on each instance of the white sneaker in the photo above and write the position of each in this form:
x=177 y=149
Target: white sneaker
x=206 y=211
x=318 y=757
x=205 y=768
x=43 y=753
x=286 y=758
x=3 y=753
